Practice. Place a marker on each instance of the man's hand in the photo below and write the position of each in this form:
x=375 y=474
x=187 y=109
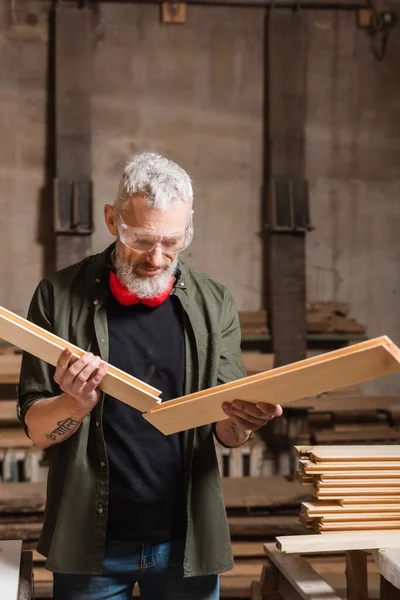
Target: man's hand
x=80 y=379
x=244 y=418
x=249 y=416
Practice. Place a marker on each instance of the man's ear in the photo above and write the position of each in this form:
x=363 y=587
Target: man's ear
x=110 y=218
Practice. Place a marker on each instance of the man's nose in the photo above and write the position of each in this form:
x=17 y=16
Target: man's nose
x=156 y=256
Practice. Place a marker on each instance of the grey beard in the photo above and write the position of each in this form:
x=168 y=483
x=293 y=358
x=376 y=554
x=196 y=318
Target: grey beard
x=144 y=287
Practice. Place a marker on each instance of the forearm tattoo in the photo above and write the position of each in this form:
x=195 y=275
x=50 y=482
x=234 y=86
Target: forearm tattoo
x=62 y=428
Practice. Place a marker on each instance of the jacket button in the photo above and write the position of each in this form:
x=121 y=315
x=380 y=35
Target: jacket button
x=97 y=423
x=100 y=510
x=102 y=464
x=95 y=302
x=97 y=280
x=182 y=284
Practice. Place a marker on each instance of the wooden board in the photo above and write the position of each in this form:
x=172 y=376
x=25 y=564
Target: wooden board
x=340 y=468
x=354 y=492
x=351 y=453
x=8 y=412
x=338 y=542
x=48 y=347
x=362 y=516
x=357 y=526
x=356 y=475
x=349 y=501
x=347 y=366
x=304 y=579
x=379 y=481
x=15 y=438
x=10 y=365
x=251 y=492
x=318 y=509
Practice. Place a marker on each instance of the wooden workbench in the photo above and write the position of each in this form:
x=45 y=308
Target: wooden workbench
x=291 y=577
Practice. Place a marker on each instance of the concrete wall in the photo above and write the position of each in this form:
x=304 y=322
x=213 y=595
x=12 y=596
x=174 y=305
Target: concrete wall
x=195 y=93
x=353 y=165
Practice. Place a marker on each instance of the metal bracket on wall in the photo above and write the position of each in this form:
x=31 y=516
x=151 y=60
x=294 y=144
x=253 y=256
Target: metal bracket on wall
x=288 y=208
x=73 y=207
x=173 y=12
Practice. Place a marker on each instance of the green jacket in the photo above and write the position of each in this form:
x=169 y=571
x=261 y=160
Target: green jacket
x=71 y=303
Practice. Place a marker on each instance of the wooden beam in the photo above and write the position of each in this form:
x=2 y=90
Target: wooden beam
x=338 y=541
x=48 y=347
x=73 y=167
x=343 y=367
x=286 y=197
x=301 y=576
x=356 y=575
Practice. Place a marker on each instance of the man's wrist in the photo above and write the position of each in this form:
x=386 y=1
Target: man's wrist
x=76 y=410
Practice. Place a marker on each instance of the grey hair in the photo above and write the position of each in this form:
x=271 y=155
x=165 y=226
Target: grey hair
x=160 y=180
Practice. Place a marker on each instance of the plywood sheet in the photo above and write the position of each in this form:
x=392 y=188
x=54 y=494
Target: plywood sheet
x=338 y=542
x=47 y=347
x=347 y=366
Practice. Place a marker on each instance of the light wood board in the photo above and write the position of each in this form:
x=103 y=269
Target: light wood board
x=48 y=347
x=319 y=509
x=349 y=501
x=352 y=453
x=353 y=491
x=344 y=483
x=311 y=468
x=338 y=541
x=347 y=366
x=357 y=475
x=304 y=579
x=364 y=516
x=357 y=526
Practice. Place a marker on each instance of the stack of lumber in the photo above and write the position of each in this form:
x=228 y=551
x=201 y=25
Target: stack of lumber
x=331 y=317
x=20 y=460
x=10 y=364
x=354 y=487
x=253 y=323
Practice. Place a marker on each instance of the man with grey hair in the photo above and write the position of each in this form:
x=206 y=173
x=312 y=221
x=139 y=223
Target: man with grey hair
x=126 y=504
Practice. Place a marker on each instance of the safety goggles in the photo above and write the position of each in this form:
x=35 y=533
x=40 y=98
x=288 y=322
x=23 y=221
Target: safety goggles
x=145 y=241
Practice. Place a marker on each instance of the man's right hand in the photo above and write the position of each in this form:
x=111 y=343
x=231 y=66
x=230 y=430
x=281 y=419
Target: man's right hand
x=80 y=379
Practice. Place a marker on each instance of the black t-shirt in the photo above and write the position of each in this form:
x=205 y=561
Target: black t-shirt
x=146 y=468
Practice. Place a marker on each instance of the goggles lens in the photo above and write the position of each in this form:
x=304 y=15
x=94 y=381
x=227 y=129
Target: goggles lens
x=145 y=241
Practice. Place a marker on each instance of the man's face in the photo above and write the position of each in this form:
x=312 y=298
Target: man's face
x=147 y=273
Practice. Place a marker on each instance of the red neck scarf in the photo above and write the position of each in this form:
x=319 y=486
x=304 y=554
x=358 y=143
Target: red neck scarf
x=127 y=298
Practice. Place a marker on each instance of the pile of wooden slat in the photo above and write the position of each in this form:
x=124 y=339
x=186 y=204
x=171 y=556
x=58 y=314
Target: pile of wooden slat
x=10 y=364
x=354 y=487
x=20 y=460
x=331 y=317
x=253 y=323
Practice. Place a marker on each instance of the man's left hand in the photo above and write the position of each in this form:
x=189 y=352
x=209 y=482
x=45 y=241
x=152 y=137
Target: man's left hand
x=249 y=416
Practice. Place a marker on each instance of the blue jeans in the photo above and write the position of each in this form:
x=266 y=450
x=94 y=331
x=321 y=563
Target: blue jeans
x=158 y=570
